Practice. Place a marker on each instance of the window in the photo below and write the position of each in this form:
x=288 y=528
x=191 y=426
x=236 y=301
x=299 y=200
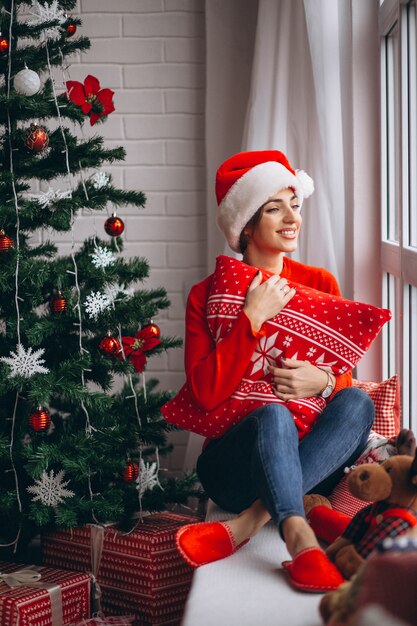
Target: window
x=398 y=23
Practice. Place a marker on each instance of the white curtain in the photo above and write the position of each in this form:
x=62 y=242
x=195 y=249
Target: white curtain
x=296 y=105
x=230 y=39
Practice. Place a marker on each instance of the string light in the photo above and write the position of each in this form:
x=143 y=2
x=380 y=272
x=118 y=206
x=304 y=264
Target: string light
x=61 y=126
x=16 y=202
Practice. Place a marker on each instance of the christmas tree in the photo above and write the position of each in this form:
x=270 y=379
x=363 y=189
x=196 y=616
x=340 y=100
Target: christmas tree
x=74 y=448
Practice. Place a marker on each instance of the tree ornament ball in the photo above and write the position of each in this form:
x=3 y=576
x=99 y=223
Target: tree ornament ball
x=110 y=346
x=4 y=45
x=27 y=82
x=70 y=29
x=40 y=420
x=130 y=472
x=5 y=242
x=153 y=329
x=36 y=138
x=114 y=226
x=58 y=303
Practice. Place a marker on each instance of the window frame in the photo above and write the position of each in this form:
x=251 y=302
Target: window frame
x=398 y=19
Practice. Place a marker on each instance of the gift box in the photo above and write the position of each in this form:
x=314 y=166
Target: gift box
x=140 y=572
x=42 y=596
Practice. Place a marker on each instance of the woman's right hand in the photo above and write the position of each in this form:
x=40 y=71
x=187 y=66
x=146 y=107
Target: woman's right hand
x=265 y=301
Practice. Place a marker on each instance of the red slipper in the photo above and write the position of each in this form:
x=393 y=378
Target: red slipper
x=327 y=524
x=206 y=542
x=312 y=571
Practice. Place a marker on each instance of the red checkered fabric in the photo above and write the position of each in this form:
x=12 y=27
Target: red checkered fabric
x=376 y=522
x=377 y=450
x=386 y=397
x=342 y=500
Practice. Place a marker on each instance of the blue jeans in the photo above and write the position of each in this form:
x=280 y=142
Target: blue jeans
x=262 y=457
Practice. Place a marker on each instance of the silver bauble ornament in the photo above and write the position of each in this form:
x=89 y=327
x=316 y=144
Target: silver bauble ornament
x=27 y=82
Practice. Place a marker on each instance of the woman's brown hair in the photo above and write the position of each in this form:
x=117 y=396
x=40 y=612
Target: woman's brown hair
x=243 y=239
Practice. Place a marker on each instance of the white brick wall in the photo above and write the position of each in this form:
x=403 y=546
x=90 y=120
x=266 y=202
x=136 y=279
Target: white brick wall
x=151 y=52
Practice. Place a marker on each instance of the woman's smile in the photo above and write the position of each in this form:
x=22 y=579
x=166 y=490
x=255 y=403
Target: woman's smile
x=287 y=233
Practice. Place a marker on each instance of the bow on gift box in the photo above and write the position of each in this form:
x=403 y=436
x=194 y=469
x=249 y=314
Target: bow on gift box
x=31 y=578
x=135 y=347
x=20 y=578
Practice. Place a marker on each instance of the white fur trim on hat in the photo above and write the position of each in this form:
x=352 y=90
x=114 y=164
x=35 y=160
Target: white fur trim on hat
x=306 y=182
x=252 y=190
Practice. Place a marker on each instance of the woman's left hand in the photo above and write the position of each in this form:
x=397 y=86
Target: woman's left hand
x=297 y=379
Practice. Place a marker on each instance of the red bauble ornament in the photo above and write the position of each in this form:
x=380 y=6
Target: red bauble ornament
x=5 y=242
x=70 y=29
x=4 y=45
x=58 y=303
x=130 y=472
x=153 y=329
x=36 y=138
x=40 y=420
x=114 y=226
x=110 y=346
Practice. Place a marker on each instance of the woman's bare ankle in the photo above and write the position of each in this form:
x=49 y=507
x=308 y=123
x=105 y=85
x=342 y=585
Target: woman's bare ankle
x=298 y=535
x=249 y=522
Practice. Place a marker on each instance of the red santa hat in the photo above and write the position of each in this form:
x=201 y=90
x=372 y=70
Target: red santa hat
x=246 y=181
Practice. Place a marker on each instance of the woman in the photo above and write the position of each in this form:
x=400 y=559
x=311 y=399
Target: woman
x=259 y=469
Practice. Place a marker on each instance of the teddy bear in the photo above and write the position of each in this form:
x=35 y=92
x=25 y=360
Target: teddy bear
x=391 y=488
x=341 y=607
x=337 y=607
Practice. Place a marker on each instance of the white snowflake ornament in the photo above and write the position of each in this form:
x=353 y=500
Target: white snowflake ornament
x=50 y=489
x=102 y=257
x=48 y=13
x=96 y=303
x=25 y=363
x=100 y=180
x=148 y=476
x=46 y=198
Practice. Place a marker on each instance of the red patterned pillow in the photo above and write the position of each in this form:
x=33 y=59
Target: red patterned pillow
x=329 y=331
x=386 y=397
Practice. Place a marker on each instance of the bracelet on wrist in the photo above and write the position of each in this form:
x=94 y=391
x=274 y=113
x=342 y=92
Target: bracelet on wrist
x=329 y=387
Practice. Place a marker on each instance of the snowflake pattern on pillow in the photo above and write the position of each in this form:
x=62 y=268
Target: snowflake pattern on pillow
x=329 y=331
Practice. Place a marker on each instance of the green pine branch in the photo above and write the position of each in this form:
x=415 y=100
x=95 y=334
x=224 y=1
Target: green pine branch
x=97 y=423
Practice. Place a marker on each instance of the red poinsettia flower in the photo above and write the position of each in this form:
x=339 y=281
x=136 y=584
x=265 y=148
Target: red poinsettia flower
x=94 y=102
x=135 y=347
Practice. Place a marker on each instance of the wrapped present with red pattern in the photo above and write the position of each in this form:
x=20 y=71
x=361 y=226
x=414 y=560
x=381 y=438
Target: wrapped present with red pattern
x=42 y=596
x=140 y=572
